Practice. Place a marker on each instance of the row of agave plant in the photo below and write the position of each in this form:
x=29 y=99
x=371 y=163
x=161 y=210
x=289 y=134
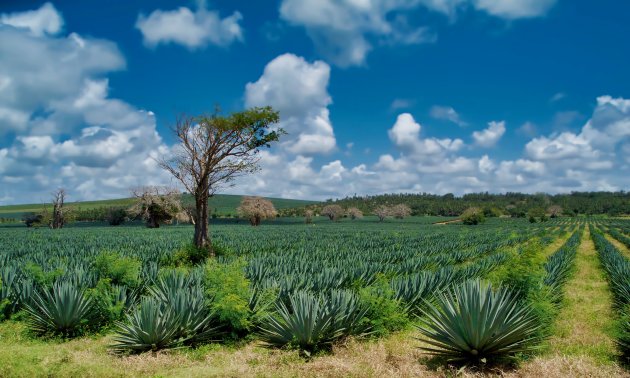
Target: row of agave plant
x=172 y=309
x=617 y=268
x=474 y=323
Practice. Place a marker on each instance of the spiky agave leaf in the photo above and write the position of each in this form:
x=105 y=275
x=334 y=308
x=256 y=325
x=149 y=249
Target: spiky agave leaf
x=472 y=323
x=196 y=321
x=151 y=327
x=62 y=310
x=306 y=326
x=347 y=313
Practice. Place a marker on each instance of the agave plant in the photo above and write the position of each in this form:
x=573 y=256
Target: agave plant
x=179 y=317
x=313 y=322
x=63 y=310
x=472 y=323
x=307 y=327
x=151 y=327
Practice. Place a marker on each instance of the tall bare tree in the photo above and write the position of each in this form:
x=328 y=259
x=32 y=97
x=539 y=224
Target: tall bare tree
x=58 y=199
x=213 y=151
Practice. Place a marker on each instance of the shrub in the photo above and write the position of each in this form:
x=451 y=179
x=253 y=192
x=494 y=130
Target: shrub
x=119 y=269
x=230 y=293
x=471 y=323
x=191 y=255
x=37 y=274
x=112 y=301
x=116 y=216
x=384 y=313
x=472 y=216
x=64 y=310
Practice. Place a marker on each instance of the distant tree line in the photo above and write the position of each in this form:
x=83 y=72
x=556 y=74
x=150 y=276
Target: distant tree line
x=508 y=204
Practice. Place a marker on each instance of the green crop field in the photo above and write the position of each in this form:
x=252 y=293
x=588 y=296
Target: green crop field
x=294 y=299
x=221 y=204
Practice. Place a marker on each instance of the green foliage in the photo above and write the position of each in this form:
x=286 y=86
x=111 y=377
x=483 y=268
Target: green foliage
x=472 y=216
x=473 y=324
x=230 y=291
x=384 y=313
x=37 y=274
x=120 y=270
x=65 y=310
x=111 y=301
x=622 y=337
x=190 y=255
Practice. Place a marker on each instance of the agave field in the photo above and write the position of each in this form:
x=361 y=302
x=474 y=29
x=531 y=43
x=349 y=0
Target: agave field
x=468 y=294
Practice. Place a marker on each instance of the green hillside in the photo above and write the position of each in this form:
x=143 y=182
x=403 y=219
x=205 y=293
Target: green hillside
x=220 y=204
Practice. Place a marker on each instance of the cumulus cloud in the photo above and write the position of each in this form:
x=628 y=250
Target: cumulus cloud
x=405 y=134
x=299 y=91
x=490 y=136
x=45 y=20
x=94 y=145
x=345 y=31
x=447 y=113
x=191 y=29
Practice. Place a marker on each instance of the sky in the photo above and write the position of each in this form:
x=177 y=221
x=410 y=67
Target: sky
x=377 y=96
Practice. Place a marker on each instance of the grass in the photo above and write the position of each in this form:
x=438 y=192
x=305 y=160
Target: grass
x=221 y=204
x=619 y=245
x=585 y=323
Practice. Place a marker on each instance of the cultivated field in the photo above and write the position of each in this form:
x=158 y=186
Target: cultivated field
x=383 y=276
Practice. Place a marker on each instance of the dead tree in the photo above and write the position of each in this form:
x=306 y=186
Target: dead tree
x=58 y=219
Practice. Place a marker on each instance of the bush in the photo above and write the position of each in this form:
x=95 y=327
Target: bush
x=112 y=301
x=38 y=276
x=230 y=293
x=118 y=269
x=472 y=216
x=190 y=255
x=116 y=216
x=473 y=324
x=384 y=314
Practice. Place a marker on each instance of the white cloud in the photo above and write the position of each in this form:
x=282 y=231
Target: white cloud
x=514 y=9
x=299 y=91
x=95 y=146
x=345 y=31
x=45 y=20
x=191 y=29
x=557 y=97
x=405 y=134
x=447 y=113
x=528 y=129
x=490 y=136
x=401 y=103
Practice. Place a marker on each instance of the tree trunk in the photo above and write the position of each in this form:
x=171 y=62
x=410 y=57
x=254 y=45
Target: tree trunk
x=202 y=240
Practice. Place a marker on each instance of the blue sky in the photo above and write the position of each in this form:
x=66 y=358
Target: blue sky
x=377 y=95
